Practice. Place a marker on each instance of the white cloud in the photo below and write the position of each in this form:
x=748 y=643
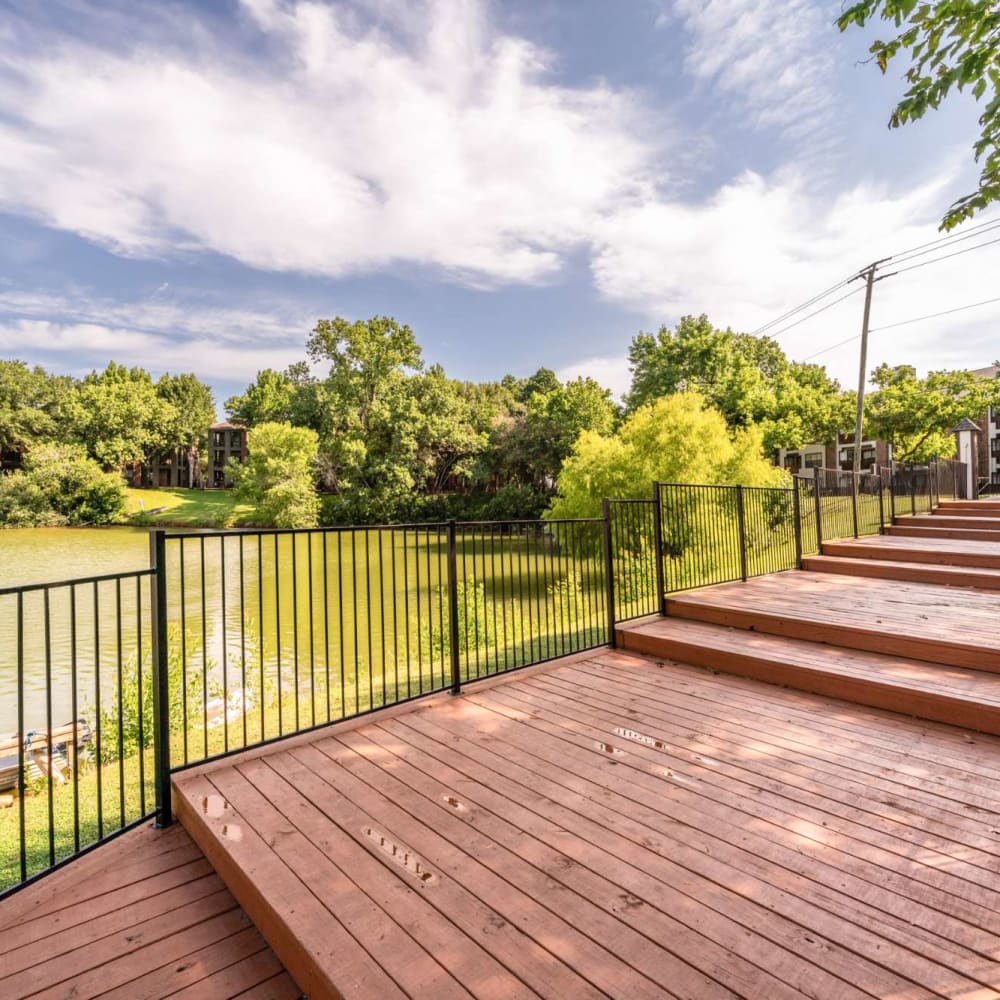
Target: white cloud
x=77 y=331
x=52 y=343
x=760 y=246
x=771 y=60
x=610 y=371
x=345 y=149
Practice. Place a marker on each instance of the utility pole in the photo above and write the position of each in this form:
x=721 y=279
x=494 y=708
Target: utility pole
x=869 y=275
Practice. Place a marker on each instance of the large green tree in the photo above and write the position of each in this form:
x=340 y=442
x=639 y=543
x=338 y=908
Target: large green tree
x=193 y=410
x=120 y=417
x=31 y=402
x=951 y=44
x=917 y=415
x=748 y=379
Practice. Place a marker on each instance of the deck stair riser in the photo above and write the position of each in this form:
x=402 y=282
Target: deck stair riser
x=911 y=572
x=817 y=626
x=977 y=505
x=958 y=697
x=946 y=521
x=969 y=534
x=864 y=550
x=969 y=511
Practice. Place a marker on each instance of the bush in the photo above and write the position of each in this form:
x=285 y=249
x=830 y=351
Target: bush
x=60 y=485
x=24 y=505
x=279 y=475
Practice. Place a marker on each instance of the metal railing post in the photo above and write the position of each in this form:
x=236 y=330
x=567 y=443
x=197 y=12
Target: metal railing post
x=161 y=677
x=741 y=523
x=892 y=492
x=854 y=502
x=797 y=519
x=609 y=573
x=456 y=668
x=819 y=510
x=658 y=546
x=881 y=503
x=913 y=492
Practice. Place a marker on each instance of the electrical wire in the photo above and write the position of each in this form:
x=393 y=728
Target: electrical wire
x=805 y=305
x=957 y=253
x=946 y=312
x=832 y=347
x=900 y=255
x=816 y=312
x=902 y=322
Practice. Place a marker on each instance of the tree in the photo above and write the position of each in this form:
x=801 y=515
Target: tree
x=120 y=417
x=290 y=396
x=951 y=43
x=193 y=409
x=677 y=439
x=747 y=379
x=917 y=416
x=371 y=414
x=278 y=477
x=30 y=402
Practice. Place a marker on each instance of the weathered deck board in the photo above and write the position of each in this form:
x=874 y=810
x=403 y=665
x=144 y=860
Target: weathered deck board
x=921 y=621
x=141 y=917
x=937 y=551
x=622 y=827
x=910 y=572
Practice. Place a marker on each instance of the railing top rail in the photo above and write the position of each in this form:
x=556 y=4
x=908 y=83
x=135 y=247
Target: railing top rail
x=79 y=581
x=412 y=526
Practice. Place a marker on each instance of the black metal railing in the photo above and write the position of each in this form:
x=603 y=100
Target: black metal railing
x=76 y=695
x=233 y=639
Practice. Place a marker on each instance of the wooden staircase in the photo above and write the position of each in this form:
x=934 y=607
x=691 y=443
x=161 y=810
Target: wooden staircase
x=908 y=621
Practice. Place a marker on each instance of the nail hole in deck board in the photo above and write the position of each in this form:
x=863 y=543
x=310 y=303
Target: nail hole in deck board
x=609 y=748
x=648 y=741
x=400 y=855
x=232 y=831
x=213 y=806
x=455 y=804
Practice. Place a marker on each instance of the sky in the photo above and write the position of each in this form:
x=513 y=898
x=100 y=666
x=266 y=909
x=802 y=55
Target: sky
x=189 y=186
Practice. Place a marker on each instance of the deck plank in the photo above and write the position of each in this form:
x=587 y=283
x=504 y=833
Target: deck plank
x=771 y=843
x=141 y=916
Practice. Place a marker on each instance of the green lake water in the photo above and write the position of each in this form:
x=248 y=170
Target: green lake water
x=322 y=624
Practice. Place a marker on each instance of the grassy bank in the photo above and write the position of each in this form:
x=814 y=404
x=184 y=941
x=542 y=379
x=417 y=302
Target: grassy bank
x=186 y=508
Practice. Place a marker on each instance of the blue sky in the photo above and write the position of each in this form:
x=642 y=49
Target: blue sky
x=189 y=186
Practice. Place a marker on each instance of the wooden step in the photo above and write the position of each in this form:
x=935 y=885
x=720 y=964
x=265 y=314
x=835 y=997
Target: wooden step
x=916 y=620
x=914 y=572
x=919 y=531
x=942 y=552
x=938 y=520
x=248 y=856
x=969 y=510
x=970 y=504
x=960 y=697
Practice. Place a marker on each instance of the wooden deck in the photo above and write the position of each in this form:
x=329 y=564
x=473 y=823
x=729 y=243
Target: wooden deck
x=619 y=827
x=143 y=916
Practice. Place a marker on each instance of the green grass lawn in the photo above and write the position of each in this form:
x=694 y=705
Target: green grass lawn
x=186 y=508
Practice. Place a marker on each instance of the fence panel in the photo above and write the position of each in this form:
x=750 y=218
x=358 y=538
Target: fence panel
x=528 y=591
x=633 y=554
x=76 y=694
x=769 y=516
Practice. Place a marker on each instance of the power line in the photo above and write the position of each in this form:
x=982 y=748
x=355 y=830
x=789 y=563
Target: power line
x=829 y=305
x=832 y=347
x=946 y=312
x=950 y=238
x=906 y=258
x=903 y=322
x=957 y=253
x=805 y=305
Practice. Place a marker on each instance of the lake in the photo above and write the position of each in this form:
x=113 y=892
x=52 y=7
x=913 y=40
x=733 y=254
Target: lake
x=323 y=624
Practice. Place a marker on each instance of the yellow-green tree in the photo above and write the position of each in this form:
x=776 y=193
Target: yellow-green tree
x=677 y=439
